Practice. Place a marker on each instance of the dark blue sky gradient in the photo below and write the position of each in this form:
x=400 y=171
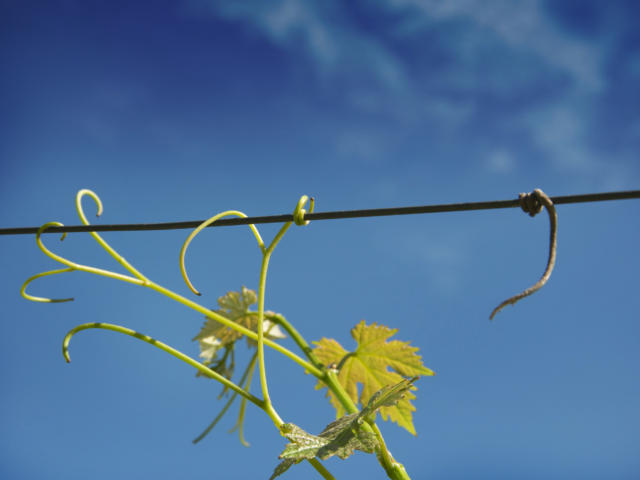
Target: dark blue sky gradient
x=176 y=110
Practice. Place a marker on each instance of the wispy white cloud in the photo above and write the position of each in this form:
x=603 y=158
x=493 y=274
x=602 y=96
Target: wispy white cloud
x=443 y=257
x=321 y=30
x=99 y=114
x=558 y=125
x=362 y=146
x=560 y=132
x=522 y=25
x=500 y=161
x=509 y=51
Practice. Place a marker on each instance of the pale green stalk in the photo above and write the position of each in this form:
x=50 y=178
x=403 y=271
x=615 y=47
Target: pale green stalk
x=261 y=340
x=162 y=346
x=231 y=324
x=299 y=340
x=315 y=463
x=154 y=286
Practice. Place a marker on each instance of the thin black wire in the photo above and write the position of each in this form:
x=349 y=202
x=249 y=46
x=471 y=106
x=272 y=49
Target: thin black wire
x=374 y=212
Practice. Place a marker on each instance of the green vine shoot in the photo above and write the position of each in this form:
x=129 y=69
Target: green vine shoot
x=377 y=376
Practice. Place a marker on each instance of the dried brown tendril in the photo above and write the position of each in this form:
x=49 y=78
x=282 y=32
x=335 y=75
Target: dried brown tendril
x=532 y=204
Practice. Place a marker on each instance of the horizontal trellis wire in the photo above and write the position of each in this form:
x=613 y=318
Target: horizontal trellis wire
x=375 y=212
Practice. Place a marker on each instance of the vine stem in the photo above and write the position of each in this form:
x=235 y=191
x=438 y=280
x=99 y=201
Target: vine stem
x=315 y=463
x=261 y=340
x=235 y=326
x=140 y=279
x=72 y=266
x=190 y=361
x=266 y=255
x=395 y=470
x=162 y=346
x=299 y=340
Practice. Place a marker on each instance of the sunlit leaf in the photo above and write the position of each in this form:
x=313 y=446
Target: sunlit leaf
x=214 y=337
x=283 y=467
x=342 y=436
x=388 y=396
x=235 y=306
x=375 y=363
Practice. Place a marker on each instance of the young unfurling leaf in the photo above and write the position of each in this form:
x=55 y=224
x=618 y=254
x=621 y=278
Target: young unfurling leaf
x=235 y=306
x=215 y=337
x=341 y=437
x=375 y=363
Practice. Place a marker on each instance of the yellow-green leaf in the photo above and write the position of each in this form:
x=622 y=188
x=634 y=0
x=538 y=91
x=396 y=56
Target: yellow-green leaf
x=217 y=341
x=234 y=306
x=375 y=363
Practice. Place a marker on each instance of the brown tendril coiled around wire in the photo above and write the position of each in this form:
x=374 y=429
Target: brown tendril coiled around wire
x=532 y=204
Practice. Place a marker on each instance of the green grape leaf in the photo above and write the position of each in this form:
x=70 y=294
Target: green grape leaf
x=217 y=341
x=234 y=306
x=387 y=396
x=375 y=363
x=283 y=467
x=345 y=437
x=341 y=437
x=303 y=445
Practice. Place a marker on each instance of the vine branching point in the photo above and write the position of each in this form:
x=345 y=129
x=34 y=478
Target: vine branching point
x=83 y=218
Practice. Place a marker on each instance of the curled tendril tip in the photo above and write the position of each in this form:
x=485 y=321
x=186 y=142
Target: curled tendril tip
x=23 y=289
x=81 y=193
x=198 y=229
x=299 y=212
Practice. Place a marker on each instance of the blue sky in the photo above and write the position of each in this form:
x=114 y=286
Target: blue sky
x=180 y=109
